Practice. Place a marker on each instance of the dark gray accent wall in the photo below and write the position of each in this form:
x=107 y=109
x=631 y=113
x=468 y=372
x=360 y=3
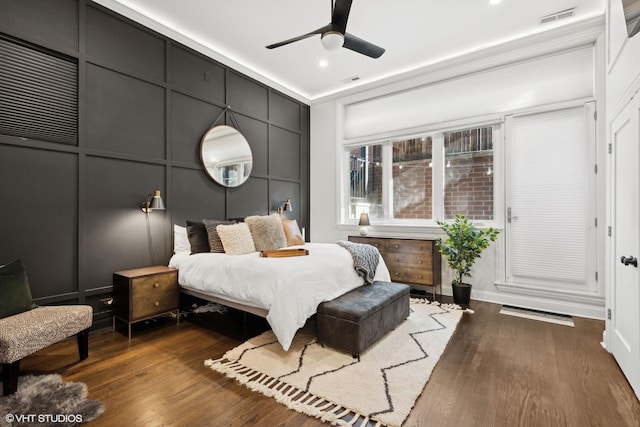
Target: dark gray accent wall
x=71 y=211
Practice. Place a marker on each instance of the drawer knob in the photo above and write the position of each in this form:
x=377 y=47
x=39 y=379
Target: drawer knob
x=156 y=285
x=420 y=262
x=397 y=274
x=419 y=276
x=397 y=246
x=157 y=303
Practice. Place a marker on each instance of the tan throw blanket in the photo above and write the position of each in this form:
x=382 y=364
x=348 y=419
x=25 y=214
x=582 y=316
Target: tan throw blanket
x=365 y=258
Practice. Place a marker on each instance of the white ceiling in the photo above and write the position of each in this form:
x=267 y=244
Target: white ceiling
x=415 y=34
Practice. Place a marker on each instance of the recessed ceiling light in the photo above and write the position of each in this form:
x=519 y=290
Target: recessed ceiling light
x=323 y=63
x=492 y=2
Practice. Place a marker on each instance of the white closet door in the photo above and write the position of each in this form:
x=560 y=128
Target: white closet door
x=551 y=201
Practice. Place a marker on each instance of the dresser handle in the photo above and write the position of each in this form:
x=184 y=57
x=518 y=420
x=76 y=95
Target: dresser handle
x=157 y=303
x=420 y=262
x=396 y=246
x=156 y=285
x=397 y=274
x=419 y=276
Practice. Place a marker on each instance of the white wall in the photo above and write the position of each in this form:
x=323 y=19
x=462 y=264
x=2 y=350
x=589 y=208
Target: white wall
x=324 y=174
x=328 y=132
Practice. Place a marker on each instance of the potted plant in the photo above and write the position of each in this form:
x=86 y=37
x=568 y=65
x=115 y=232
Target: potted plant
x=462 y=247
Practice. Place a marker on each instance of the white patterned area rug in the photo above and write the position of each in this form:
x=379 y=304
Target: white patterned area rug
x=378 y=388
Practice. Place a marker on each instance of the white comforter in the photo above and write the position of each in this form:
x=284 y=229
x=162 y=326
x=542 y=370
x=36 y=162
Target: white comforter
x=289 y=288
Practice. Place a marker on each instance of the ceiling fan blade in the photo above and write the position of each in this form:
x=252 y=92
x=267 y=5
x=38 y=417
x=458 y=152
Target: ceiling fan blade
x=364 y=47
x=340 y=15
x=302 y=37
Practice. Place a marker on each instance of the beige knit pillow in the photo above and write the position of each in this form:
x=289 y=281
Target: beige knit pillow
x=266 y=231
x=236 y=238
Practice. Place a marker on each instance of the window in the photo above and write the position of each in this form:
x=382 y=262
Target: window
x=426 y=177
x=412 y=178
x=365 y=177
x=468 y=183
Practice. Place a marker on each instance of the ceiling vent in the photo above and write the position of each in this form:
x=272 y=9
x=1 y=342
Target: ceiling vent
x=558 y=16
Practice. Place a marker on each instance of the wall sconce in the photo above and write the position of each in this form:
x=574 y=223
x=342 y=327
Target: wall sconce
x=284 y=206
x=363 y=223
x=154 y=201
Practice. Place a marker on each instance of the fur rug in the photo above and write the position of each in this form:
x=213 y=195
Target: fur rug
x=47 y=400
x=378 y=388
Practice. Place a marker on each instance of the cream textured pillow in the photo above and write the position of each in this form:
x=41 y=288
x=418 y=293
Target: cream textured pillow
x=292 y=232
x=266 y=231
x=236 y=238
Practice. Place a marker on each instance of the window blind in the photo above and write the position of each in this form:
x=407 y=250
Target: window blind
x=38 y=93
x=550 y=177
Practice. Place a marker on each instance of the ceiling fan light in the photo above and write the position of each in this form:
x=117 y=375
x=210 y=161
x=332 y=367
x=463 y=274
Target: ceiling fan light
x=332 y=40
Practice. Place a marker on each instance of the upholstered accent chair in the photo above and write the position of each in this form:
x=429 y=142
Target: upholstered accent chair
x=25 y=333
x=26 y=328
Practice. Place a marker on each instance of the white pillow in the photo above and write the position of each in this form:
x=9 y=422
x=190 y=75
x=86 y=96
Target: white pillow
x=236 y=238
x=180 y=240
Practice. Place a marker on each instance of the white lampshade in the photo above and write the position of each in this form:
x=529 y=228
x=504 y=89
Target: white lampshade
x=332 y=40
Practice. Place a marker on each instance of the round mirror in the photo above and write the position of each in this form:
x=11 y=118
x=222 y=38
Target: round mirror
x=226 y=156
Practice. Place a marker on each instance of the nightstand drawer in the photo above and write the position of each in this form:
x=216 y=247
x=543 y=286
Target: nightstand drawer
x=149 y=305
x=149 y=286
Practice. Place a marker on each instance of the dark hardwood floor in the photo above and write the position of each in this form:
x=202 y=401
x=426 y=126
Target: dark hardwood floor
x=497 y=370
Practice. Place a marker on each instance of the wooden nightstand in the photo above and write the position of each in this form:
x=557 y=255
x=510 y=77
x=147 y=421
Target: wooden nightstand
x=144 y=293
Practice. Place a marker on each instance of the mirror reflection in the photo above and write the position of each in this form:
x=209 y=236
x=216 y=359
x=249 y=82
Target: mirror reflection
x=226 y=155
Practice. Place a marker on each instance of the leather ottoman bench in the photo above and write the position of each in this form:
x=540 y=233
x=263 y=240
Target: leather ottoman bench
x=356 y=320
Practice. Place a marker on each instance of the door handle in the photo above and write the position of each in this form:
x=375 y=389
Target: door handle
x=630 y=260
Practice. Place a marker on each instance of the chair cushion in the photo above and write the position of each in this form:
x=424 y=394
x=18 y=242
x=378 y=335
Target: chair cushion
x=15 y=295
x=27 y=332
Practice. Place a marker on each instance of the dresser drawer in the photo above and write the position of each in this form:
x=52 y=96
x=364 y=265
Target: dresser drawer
x=408 y=260
x=378 y=243
x=148 y=286
x=406 y=274
x=402 y=246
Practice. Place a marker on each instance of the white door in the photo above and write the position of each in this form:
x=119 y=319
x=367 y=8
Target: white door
x=550 y=229
x=625 y=288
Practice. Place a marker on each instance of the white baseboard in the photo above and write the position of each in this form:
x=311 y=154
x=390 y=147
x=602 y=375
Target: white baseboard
x=579 y=307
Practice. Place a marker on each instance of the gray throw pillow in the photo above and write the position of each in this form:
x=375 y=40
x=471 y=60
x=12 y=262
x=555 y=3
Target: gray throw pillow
x=15 y=295
x=215 y=244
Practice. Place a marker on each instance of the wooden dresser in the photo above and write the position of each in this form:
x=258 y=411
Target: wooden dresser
x=411 y=261
x=144 y=293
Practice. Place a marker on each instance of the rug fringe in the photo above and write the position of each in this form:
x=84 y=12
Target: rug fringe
x=299 y=400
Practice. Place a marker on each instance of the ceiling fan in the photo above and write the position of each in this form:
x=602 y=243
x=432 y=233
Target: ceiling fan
x=334 y=35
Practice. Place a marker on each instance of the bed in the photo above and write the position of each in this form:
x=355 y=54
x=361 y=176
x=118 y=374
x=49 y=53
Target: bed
x=284 y=290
